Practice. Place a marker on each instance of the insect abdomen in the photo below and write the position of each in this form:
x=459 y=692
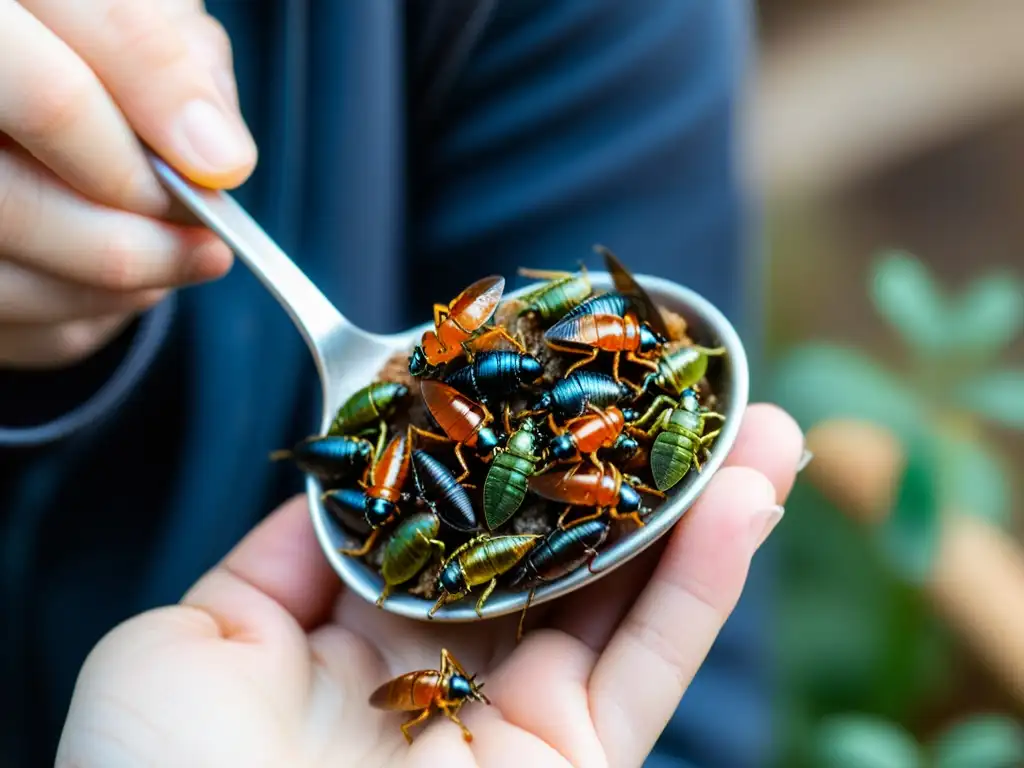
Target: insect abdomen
x=411 y=691
x=672 y=457
x=505 y=488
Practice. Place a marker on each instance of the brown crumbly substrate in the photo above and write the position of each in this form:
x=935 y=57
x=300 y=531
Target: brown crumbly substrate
x=535 y=515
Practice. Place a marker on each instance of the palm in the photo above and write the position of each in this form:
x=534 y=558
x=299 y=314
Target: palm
x=265 y=663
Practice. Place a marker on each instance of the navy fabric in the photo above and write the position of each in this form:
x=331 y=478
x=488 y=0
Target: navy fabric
x=405 y=150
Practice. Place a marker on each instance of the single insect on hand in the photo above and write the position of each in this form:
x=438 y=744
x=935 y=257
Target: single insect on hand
x=570 y=396
x=439 y=490
x=328 y=457
x=370 y=406
x=480 y=560
x=408 y=549
x=507 y=478
x=496 y=374
x=465 y=422
x=462 y=321
x=678 y=433
x=378 y=503
x=428 y=691
x=562 y=292
x=680 y=369
x=604 y=488
x=560 y=553
x=587 y=434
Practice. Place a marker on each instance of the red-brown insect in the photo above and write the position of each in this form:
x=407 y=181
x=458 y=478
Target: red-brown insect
x=430 y=690
x=587 y=434
x=589 y=334
x=465 y=421
x=460 y=323
x=378 y=503
x=603 y=487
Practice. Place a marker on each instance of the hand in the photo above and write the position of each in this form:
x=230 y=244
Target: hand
x=266 y=663
x=82 y=244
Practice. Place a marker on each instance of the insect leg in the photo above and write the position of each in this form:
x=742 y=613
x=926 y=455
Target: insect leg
x=591 y=356
x=575 y=468
x=441 y=312
x=713 y=415
x=659 y=404
x=634 y=516
x=634 y=358
x=451 y=711
x=595 y=461
x=587 y=518
x=383 y=595
x=462 y=463
x=543 y=274
x=483 y=598
x=561 y=517
x=522 y=616
x=551 y=423
x=423 y=715
x=367 y=545
x=505 y=417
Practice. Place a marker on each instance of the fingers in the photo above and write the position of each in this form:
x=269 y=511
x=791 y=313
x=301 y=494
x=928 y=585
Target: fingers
x=168 y=96
x=282 y=560
x=771 y=441
x=652 y=657
x=45 y=226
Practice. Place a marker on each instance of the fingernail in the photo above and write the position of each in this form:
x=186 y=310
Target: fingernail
x=805 y=458
x=209 y=137
x=764 y=523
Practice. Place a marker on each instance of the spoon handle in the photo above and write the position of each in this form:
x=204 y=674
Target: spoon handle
x=312 y=312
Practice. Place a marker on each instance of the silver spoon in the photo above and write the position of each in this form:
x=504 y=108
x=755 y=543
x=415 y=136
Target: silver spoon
x=347 y=358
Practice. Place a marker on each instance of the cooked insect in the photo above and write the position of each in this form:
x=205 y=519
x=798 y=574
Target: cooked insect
x=480 y=561
x=464 y=421
x=496 y=374
x=440 y=491
x=508 y=476
x=604 y=488
x=328 y=457
x=408 y=550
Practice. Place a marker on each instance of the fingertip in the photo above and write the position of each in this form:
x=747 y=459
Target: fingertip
x=772 y=442
x=210 y=260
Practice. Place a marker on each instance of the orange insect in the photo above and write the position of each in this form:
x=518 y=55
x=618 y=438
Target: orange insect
x=378 y=503
x=430 y=690
x=457 y=327
x=590 y=333
x=603 y=487
x=465 y=421
x=587 y=434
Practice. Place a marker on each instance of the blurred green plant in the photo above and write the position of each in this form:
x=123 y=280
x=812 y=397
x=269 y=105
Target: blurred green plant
x=938 y=402
x=858 y=741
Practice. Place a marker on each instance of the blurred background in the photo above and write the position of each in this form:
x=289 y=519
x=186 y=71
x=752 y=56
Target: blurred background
x=887 y=139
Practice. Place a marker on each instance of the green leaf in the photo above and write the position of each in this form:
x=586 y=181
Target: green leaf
x=911 y=533
x=974 y=480
x=865 y=742
x=998 y=396
x=988 y=316
x=820 y=381
x=986 y=741
x=905 y=294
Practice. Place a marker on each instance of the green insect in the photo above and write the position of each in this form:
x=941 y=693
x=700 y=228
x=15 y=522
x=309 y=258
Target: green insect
x=562 y=292
x=369 y=407
x=679 y=437
x=507 y=479
x=481 y=560
x=409 y=549
x=681 y=369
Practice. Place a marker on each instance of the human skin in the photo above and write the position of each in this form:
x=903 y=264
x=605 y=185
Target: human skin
x=88 y=237
x=267 y=661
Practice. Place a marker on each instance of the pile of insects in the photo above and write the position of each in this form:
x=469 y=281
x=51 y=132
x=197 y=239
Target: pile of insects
x=519 y=438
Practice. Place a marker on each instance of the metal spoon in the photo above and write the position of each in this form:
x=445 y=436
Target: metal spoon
x=347 y=358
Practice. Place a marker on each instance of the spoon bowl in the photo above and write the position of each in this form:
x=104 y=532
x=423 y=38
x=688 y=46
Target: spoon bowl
x=348 y=358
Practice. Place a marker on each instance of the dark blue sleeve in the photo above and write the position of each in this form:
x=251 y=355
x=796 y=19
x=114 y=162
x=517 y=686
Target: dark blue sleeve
x=38 y=407
x=572 y=122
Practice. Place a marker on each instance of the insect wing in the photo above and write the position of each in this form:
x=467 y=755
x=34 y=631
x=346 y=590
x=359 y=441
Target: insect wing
x=626 y=284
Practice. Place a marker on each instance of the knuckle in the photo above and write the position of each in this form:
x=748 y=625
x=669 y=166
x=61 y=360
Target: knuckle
x=141 y=33
x=117 y=267
x=18 y=192
x=61 y=100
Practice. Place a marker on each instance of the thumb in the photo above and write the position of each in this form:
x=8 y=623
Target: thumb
x=169 y=96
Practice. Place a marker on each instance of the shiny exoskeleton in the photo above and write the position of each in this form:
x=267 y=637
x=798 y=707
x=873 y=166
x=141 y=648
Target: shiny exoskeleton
x=560 y=294
x=594 y=333
x=457 y=324
x=328 y=457
x=678 y=432
x=508 y=476
x=558 y=554
x=496 y=374
x=628 y=286
x=604 y=488
x=608 y=303
x=587 y=434
x=480 y=560
x=440 y=491
x=408 y=549
x=680 y=369
x=378 y=503
x=373 y=404
x=570 y=396
x=427 y=691
x=464 y=421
